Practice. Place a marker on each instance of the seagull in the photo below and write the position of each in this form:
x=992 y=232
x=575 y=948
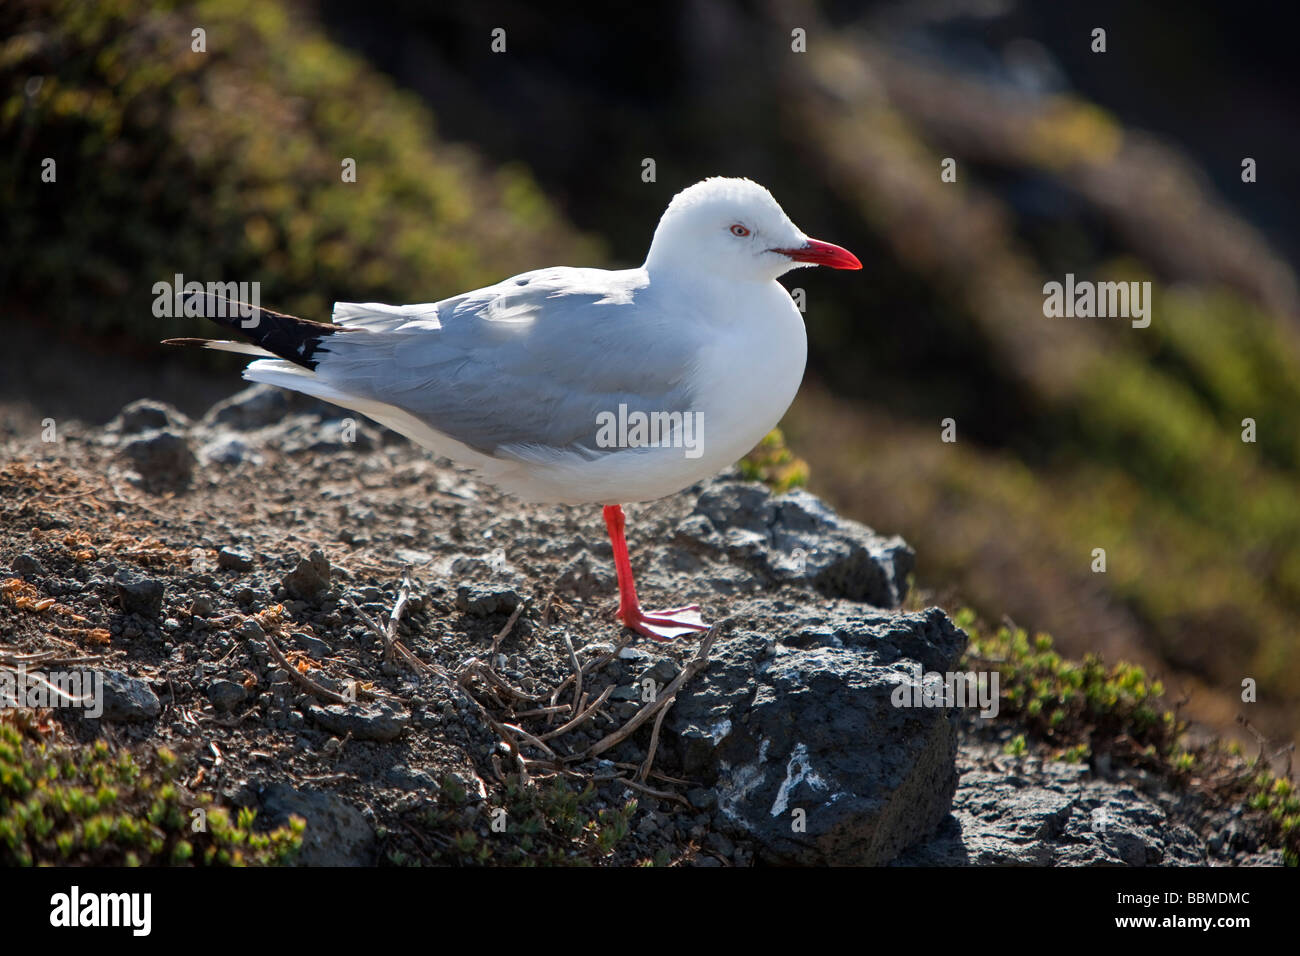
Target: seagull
x=574 y=385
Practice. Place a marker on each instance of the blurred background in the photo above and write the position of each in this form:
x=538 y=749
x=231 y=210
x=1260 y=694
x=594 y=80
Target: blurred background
x=1073 y=434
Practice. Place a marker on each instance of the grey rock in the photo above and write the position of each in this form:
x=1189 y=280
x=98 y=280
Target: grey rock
x=162 y=456
x=234 y=560
x=719 y=843
x=485 y=600
x=1010 y=811
x=337 y=833
x=27 y=566
x=407 y=778
x=128 y=699
x=795 y=538
x=471 y=783
x=702 y=798
x=411 y=555
x=310 y=577
x=226 y=694
x=662 y=672
x=586 y=576
x=228 y=449
x=138 y=594
x=259 y=406
x=312 y=645
x=146 y=415
x=249 y=630
x=814 y=727
x=376 y=721
x=301 y=433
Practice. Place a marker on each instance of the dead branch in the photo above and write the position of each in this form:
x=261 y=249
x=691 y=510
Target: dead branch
x=302 y=680
x=578 y=720
x=501 y=634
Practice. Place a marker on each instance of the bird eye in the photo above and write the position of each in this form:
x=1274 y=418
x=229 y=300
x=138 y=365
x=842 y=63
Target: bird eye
x=739 y=230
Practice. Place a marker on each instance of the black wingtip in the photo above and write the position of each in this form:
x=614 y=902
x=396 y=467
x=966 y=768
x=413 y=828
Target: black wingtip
x=289 y=337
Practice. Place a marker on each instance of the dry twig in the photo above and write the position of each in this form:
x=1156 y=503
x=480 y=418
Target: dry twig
x=501 y=634
x=697 y=664
x=302 y=680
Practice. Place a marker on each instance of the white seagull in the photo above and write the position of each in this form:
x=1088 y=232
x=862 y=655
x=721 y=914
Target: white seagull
x=581 y=386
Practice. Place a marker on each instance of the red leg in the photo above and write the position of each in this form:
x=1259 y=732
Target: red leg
x=659 y=625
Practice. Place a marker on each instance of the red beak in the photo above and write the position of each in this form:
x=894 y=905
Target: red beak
x=823 y=254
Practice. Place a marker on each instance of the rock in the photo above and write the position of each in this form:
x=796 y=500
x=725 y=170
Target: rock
x=1028 y=812
x=233 y=559
x=719 y=843
x=310 y=577
x=410 y=555
x=337 y=834
x=813 y=726
x=301 y=433
x=128 y=699
x=259 y=406
x=162 y=456
x=377 y=721
x=312 y=645
x=662 y=672
x=485 y=600
x=795 y=538
x=226 y=694
x=25 y=565
x=250 y=630
x=147 y=415
x=702 y=798
x=228 y=449
x=585 y=576
x=406 y=778
x=138 y=594
x=470 y=783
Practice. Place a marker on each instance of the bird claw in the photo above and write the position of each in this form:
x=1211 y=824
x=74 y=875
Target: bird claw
x=668 y=625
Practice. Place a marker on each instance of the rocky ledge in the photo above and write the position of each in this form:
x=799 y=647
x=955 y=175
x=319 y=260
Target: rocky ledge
x=328 y=623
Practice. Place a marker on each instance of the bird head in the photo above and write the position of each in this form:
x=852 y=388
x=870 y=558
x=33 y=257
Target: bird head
x=733 y=228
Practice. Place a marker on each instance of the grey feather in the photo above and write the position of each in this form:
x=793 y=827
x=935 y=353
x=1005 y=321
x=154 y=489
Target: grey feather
x=529 y=362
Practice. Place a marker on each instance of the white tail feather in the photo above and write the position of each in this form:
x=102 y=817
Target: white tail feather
x=244 y=348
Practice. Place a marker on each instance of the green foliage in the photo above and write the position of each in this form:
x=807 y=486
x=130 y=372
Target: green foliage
x=1276 y=797
x=544 y=824
x=1085 y=708
x=88 y=805
x=772 y=463
x=226 y=166
x=1081 y=708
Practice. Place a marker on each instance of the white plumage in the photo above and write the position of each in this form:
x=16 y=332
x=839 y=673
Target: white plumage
x=518 y=380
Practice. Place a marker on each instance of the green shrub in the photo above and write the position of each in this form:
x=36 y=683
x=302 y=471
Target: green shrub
x=226 y=166
x=66 y=804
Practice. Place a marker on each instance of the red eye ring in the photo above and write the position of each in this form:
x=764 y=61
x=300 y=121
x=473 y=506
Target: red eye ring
x=739 y=230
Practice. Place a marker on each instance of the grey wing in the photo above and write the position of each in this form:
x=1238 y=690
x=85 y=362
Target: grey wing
x=533 y=361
